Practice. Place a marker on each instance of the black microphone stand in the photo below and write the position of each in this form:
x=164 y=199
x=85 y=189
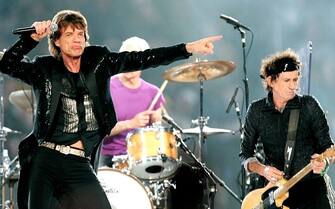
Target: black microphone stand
x=239 y=116
x=209 y=173
x=246 y=87
x=245 y=79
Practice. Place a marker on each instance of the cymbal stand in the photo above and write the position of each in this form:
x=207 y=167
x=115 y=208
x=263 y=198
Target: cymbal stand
x=201 y=121
x=209 y=173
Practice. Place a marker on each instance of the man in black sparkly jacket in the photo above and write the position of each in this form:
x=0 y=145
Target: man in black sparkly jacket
x=74 y=111
x=267 y=122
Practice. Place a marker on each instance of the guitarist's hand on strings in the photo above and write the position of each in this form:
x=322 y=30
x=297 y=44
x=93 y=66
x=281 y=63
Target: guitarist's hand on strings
x=272 y=174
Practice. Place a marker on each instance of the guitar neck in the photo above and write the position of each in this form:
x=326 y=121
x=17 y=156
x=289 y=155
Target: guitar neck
x=292 y=181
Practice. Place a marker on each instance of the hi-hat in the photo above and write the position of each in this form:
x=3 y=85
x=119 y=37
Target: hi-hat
x=203 y=70
x=22 y=99
x=10 y=131
x=207 y=130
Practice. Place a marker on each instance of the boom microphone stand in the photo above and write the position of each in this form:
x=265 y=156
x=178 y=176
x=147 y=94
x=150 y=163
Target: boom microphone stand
x=241 y=28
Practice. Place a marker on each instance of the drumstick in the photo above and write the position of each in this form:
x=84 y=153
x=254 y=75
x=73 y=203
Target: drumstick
x=161 y=89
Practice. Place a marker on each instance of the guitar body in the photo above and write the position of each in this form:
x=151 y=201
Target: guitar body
x=255 y=198
x=273 y=195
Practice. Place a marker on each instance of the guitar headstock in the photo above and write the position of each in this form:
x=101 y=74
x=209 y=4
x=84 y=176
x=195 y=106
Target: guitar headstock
x=329 y=153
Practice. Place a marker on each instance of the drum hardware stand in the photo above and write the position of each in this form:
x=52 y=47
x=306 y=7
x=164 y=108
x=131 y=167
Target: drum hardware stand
x=3 y=135
x=159 y=192
x=201 y=121
x=5 y=171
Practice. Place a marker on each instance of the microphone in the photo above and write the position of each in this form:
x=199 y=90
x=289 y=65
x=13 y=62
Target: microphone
x=31 y=29
x=170 y=121
x=233 y=22
x=232 y=100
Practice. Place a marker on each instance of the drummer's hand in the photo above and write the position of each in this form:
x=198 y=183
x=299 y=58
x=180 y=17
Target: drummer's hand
x=203 y=46
x=42 y=30
x=142 y=119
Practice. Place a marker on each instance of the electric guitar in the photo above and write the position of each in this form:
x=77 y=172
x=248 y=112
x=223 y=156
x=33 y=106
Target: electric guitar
x=273 y=195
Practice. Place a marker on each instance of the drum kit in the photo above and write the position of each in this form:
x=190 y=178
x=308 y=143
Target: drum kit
x=9 y=169
x=153 y=175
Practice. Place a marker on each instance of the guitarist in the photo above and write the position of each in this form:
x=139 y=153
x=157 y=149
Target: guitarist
x=267 y=121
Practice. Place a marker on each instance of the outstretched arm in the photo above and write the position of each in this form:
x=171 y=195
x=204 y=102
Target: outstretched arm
x=203 y=46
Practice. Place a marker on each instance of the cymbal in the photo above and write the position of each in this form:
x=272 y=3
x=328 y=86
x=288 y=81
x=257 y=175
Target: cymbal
x=10 y=131
x=22 y=99
x=207 y=130
x=194 y=72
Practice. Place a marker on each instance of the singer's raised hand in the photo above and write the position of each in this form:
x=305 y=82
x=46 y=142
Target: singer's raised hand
x=43 y=28
x=203 y=46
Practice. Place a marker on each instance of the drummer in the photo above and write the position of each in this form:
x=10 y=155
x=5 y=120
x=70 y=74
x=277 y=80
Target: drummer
x=131 y=97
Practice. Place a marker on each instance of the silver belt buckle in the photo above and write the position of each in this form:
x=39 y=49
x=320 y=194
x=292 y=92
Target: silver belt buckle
x=65 y=149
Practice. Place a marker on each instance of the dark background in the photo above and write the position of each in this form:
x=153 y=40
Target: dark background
x=277 y=25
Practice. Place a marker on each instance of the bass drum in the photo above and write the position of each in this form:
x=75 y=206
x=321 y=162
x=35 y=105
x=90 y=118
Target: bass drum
x=189 y=192
x=123 y=191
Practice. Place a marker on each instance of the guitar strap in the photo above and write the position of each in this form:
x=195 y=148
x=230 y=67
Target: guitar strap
x=291 y=135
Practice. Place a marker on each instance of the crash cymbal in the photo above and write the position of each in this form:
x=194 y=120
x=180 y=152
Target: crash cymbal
x=22 y=99
x=207 y=130
x=193 y=72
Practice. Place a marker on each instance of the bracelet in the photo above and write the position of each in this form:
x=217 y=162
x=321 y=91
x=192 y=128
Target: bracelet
x=325 y=169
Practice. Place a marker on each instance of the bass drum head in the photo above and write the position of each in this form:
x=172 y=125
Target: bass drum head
x=123 y=191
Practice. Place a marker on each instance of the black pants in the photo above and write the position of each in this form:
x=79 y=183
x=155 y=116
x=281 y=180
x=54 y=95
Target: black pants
x=310 y=194
x=64 y=181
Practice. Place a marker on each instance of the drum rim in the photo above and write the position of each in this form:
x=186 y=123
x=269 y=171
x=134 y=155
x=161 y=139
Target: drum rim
x=149 y=129
x=132 y=176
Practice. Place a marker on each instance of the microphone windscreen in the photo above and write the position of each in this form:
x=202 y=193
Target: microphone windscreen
x=53 y=27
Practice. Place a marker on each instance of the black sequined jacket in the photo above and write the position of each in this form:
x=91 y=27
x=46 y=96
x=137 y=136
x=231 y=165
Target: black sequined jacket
x=266 y=124
x=44 y=74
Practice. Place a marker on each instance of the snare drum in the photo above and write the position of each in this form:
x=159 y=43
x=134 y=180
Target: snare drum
x=152 y=152
x=123 y=191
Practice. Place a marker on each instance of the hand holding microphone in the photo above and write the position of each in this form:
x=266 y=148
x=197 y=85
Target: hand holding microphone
x=38 y=30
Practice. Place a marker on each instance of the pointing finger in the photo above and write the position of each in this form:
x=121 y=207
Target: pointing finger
x=214 y=38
